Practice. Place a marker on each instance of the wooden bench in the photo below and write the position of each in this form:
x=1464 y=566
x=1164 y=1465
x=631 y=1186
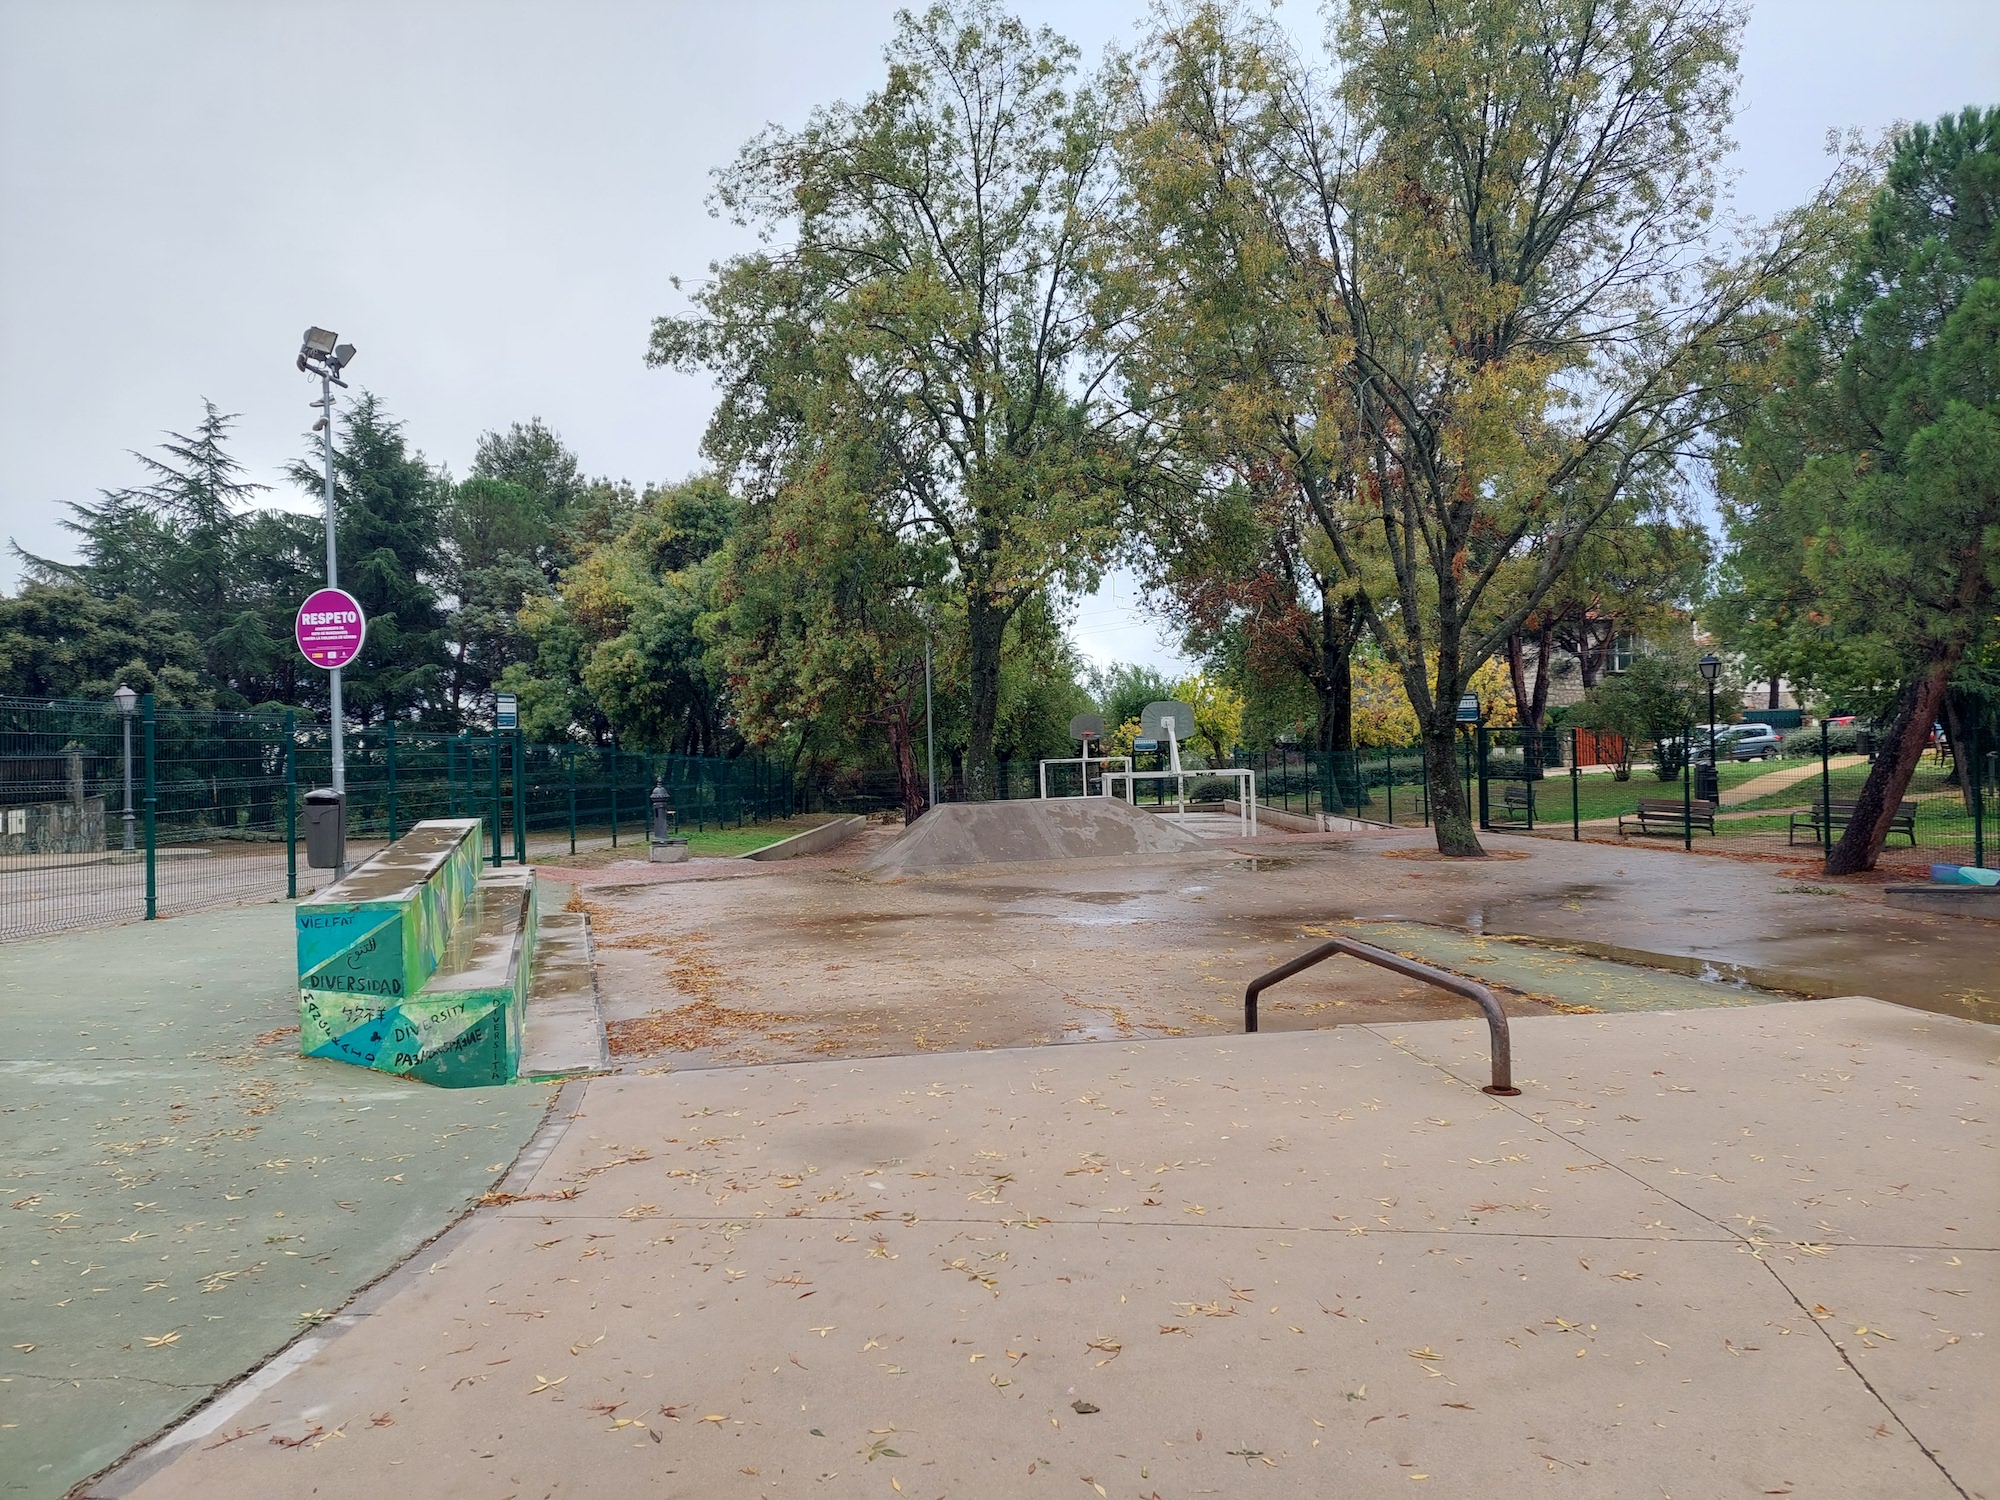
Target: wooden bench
x=1841 y=813
x=1514 y=802
x=1669 y=815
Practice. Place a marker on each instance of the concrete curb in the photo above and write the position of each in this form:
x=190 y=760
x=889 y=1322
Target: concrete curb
x=812 y=841
x=1946 y=900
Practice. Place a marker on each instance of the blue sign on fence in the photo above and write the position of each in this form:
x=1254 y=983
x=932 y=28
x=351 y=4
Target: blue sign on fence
x=506 y=713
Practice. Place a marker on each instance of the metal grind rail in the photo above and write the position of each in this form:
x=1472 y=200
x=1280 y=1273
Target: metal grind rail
x=1496 y=1019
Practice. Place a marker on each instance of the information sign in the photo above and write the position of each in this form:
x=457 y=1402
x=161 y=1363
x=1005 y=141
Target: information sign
x=330 y=628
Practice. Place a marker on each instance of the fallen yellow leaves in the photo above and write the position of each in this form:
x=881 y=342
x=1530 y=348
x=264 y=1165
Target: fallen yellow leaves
x=162 y=1341
x=543 y=1383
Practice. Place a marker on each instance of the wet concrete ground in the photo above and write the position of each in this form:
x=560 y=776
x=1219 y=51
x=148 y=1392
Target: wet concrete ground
x=1736 y=1253
x=698 y=967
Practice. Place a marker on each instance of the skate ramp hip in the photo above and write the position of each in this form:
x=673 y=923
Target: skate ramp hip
x=961 y=835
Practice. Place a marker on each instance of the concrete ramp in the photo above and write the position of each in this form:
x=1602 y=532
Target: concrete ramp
x=959 y=835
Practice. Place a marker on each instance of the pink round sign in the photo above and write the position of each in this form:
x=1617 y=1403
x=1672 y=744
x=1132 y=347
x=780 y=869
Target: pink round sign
x=331 y=628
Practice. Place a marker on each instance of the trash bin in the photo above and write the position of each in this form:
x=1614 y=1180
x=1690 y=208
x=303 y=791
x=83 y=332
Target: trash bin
x=1706 y=786
x=326 y=828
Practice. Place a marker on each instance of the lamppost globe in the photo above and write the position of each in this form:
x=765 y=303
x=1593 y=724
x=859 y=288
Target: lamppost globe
x=1710 y=667
x=127 y=700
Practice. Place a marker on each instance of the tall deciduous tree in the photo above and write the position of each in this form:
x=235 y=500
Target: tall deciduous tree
x=936 y=267
x=1487 y=225
x=1866 y=491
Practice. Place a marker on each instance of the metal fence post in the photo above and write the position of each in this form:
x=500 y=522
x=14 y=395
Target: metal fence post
x=614 y=794
x=1825 y=794
x=1389 y=783
x=1483 y=746
x=1575 y=791
x=152 y=819
x=291 y=812
x=1970 y=775
x=392 y=781
x=499 y=856
x=520 y=799
x=572 y=796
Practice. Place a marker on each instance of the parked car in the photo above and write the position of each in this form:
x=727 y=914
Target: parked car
x=1747 y=742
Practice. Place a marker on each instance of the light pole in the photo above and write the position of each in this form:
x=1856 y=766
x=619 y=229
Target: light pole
x=127 y=700
x=321 y=354
x=1710 y=667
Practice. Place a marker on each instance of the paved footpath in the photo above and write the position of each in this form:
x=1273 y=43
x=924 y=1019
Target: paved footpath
x=1733 y=1252
x=184 y=1192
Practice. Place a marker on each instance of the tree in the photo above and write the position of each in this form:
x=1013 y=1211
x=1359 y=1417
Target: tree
x=1657 y=702
x=824 y=603
x=190 y=542
x=65 y=641
x=620 y=649
x=1484 y=235
x=390 y=509
x=1865 y=489
x=1628 y=580
x=1218 y=715
x=938 y=283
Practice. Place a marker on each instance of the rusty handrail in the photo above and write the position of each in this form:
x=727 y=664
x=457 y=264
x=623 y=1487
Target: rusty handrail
x=1496 y=1019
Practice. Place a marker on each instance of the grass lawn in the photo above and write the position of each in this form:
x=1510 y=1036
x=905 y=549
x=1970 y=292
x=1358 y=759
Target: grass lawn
x=1602 y=796
x=723 y=842
x=706 y=843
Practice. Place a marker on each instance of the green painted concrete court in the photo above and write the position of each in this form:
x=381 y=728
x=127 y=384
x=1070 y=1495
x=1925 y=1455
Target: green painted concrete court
x=183 y=1191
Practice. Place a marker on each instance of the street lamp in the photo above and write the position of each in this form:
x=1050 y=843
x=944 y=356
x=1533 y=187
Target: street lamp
x=321 y=353
x=1710 y=667
x=127 y=700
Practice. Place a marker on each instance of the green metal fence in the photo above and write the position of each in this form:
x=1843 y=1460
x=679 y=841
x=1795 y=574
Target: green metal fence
x=1574 y=784
x=211 y=818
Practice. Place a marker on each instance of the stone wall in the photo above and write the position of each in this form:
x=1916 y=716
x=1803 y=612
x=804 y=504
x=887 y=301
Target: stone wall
x=72 y=827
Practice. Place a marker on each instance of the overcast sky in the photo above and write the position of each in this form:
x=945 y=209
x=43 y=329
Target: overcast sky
x=489 y=199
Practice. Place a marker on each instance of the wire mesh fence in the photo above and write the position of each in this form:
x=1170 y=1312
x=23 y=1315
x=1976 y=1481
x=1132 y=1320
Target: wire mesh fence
x=1745 y=795
x=110 y=816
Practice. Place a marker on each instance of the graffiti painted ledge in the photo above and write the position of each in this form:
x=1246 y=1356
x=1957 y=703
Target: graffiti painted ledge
x=418 y=965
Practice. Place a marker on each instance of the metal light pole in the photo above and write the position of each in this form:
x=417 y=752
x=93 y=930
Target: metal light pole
x=1710 y=667
x=320 y=354
x=127 y=700
x=930 y=737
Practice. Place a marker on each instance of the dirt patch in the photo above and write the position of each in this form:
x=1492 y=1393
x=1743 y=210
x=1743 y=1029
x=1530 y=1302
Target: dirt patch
x=1431 y=856
x=692 y=1027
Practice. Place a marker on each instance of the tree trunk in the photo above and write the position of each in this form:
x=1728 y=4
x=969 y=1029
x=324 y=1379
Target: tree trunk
x=1895 y=762
x=1772 y=700
x=910 y=790
x=986 y=625
x=1451 y=818
x=1333 y=685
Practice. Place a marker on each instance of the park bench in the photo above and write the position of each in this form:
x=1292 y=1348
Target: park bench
x=1669 y=815
x=1514 y=802
x=1841 y=813
x=418 y=964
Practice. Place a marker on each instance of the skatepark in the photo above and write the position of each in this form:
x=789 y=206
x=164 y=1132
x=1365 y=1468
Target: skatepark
x=938 y=1161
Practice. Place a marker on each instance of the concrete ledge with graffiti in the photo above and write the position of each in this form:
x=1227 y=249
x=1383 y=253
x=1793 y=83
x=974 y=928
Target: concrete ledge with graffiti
x=417 y=965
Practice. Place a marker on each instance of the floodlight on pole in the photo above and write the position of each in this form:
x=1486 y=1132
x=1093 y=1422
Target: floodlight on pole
x=321 y=353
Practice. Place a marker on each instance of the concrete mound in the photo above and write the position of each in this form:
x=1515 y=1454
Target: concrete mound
x=958 y=835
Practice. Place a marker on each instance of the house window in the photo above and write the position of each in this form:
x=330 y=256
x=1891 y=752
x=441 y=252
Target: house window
x=1622 y=651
